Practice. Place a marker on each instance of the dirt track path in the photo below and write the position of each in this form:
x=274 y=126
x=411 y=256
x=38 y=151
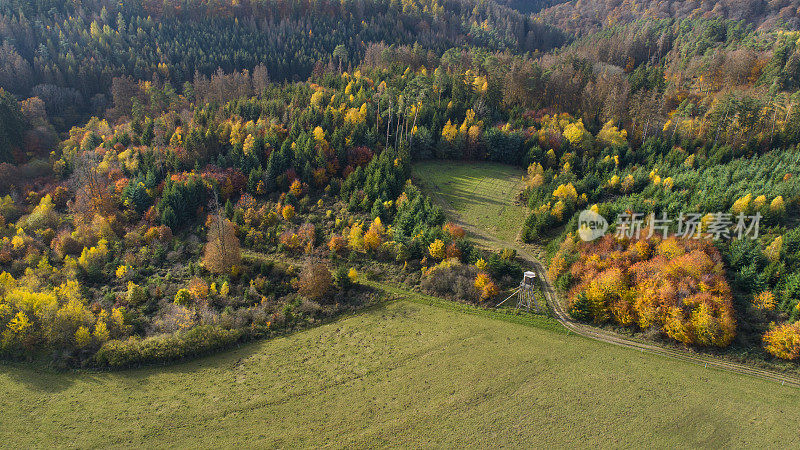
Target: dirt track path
x=553 y=299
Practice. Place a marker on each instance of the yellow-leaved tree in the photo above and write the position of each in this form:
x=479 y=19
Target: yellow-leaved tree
x=373 y=238
x=742 y=205
x=773 y=250
x=566 y=192
x=611 y=135
x=449 y=132
x=288 y=212
x=436 y=249
x=783 y=341
x=578 y=136
x=777 y=206
x=356 y=237
x=83 y=337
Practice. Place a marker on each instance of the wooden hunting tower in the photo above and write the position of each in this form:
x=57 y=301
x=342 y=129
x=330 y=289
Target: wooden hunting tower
x=526 y=293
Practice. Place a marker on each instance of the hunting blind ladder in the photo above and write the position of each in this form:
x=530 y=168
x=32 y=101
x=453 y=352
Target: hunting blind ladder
x=525 y=293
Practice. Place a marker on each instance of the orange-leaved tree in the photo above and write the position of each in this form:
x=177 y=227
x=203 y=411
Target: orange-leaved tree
x=315 y=281
x=223 y=251
x=675 y=286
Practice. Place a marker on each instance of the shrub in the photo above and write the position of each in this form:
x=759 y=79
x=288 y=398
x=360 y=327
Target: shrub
x=437 y=249
x=43 y=215
x=101 y=333
x=136 y=295
x=199 y=288
x=93 y=259
x=454 y=280
x=184 y=298
x=487 y=288
x=122 y=271
x=164 y=348
x=341 y=279
x=452 y=251
x=82 y=337
x=337 y=244
x=315 y=281
x=508 y=254
x=65 y=244
x=288 y=212
x=455 y=231
x=289 y=241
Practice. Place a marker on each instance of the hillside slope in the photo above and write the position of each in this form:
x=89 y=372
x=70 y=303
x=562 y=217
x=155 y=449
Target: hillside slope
x=67 y=54
x=584 y=16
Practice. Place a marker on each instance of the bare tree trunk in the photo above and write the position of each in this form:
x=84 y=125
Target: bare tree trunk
x=219 y=225
x=774 y=119
x=397 y=130
x=674 y=129
x=388 y=122
x=416 y=111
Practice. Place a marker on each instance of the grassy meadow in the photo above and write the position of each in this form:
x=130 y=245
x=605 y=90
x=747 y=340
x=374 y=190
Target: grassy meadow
x=481 y=194
x=404 y=374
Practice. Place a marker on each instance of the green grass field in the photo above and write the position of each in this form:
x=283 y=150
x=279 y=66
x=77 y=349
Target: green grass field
x=481 y=194
x=404 y=374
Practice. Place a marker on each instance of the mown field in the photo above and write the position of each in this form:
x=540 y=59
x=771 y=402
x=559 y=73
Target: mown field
x=480 y=194
x=404 y=374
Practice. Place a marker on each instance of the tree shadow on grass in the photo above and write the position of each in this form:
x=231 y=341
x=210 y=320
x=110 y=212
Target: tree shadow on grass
x=38 y=377
x=42 y=379
x=468 y=198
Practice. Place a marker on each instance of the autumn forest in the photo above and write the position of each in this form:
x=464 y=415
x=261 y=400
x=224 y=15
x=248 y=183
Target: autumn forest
x=177 y=177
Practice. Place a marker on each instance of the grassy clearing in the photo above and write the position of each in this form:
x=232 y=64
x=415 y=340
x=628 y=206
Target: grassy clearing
x=404 y=374
x=480 y=194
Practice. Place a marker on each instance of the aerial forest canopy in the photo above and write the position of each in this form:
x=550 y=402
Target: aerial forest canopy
x=584 y=17
x=179 y=176
x=67 y=53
